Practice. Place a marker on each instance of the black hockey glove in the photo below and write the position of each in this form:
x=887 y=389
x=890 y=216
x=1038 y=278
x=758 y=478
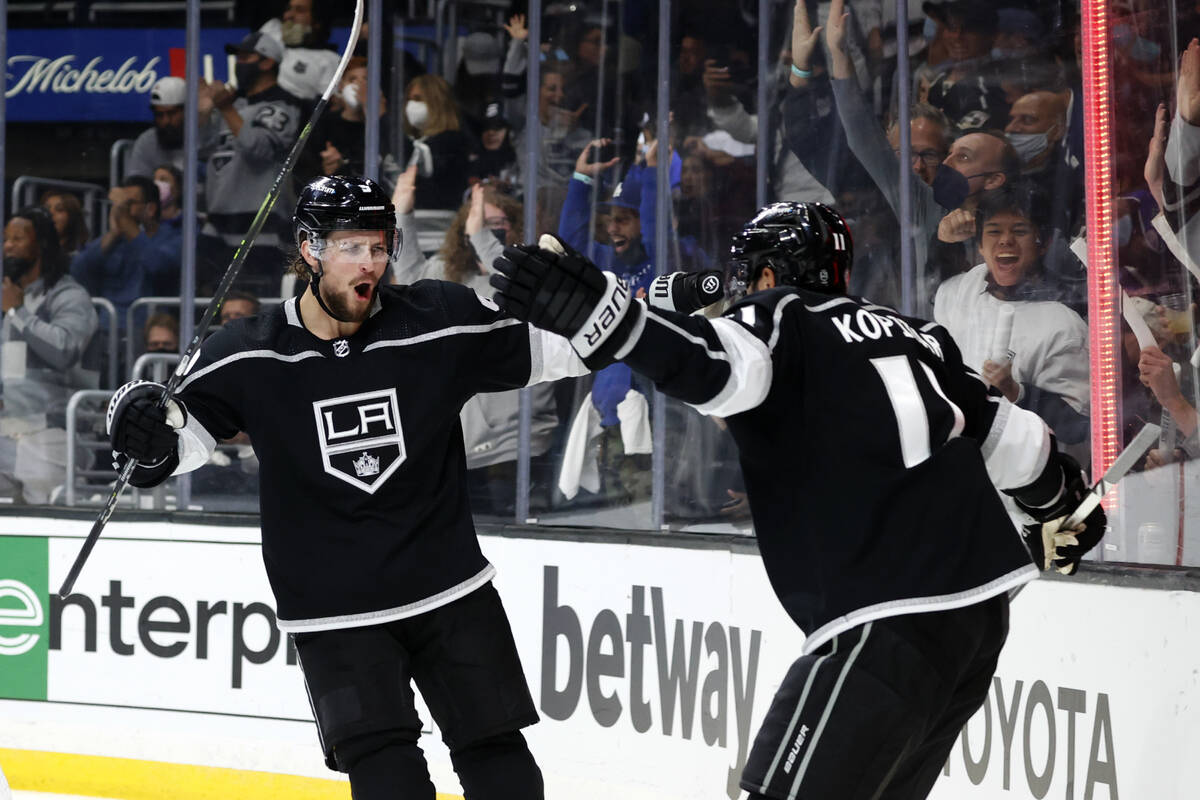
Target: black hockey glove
x=1049 y=543
x=686 y=292
x=138 y=428
x=553 y=287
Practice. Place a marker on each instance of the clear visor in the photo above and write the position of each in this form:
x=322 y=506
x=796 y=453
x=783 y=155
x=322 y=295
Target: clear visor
x=359 y=249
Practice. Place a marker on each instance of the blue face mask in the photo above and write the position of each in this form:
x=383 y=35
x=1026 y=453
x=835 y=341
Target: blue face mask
x=950 y=187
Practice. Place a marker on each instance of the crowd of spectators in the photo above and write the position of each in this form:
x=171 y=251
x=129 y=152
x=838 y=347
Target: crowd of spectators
x=995 y=198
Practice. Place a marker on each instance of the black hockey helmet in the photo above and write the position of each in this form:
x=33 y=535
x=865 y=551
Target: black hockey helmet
x=344 y=203
x=806 y=245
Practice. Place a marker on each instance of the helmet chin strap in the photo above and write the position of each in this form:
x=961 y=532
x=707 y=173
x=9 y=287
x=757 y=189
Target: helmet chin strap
x=315 y=283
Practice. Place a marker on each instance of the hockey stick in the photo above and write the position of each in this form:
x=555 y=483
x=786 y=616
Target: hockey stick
x=239 y=258
x=1112 y=476
x=1121 y=466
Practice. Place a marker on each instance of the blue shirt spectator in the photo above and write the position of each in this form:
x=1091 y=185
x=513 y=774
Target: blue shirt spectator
x=119 y=264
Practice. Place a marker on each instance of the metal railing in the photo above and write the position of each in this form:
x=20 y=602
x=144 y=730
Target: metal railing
x=111 y=344
x=131 y=341
x=226 y=7
x=27 y=188
x=66 y=8
x=118 y=154
x=97 y=445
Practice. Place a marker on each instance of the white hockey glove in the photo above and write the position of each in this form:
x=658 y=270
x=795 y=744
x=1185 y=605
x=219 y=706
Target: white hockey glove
x=686 y=292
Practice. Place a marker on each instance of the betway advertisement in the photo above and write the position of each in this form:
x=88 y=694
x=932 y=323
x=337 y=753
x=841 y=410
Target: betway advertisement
x=651 y=666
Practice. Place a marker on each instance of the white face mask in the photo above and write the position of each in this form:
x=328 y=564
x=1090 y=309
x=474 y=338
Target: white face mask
x=350 y=96
x=292 y=33
x=417 y=113
x=1029 y=145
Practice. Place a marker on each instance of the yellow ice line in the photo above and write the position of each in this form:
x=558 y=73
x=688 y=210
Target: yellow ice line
x=131 y=779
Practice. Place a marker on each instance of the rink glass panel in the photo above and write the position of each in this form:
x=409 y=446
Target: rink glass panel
x=608 y=65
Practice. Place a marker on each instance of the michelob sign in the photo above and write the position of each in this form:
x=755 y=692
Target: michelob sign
x=24 y=621
x=96 y=74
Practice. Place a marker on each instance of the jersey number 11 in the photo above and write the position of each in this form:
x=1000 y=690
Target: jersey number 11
x=913 y=414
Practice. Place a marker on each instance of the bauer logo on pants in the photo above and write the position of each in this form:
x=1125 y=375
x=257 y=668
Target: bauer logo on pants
x=361 y=439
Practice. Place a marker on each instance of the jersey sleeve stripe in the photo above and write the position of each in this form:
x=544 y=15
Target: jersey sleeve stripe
x=454 y=330
x=678 y=331
x=750 y=373
x=777 y=321
x=1016 y=448
x=189 y=380
x=828 y=304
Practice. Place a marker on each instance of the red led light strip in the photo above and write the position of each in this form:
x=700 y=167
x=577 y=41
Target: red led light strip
x=1103 y=289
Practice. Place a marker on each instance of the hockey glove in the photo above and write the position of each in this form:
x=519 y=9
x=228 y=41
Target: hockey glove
x=686 y=292
x=1049 y=544
x=553 y=287
x=139 y=428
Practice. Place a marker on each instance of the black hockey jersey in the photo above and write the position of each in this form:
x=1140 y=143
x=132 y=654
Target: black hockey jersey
x=871 y=455
x=362 y=472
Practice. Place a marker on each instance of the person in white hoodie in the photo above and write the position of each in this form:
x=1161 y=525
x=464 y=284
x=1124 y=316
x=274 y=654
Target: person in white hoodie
x=1008 y=319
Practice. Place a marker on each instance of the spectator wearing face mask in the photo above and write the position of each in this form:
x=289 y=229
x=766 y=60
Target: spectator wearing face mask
x=441 y=148
x=309 y=58
x=163 y=143
x=238 y=305
x=976 y=162
x=1036 y=130
x=484 y=224
x=337 y=143
x=46 y=322
x=251 y=131
x=168 y=240
x=162 y=333
x=169 y=181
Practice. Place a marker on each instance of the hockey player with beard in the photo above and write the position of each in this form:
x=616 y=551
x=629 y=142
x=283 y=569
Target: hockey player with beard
x=871 y=458
x=351 y=396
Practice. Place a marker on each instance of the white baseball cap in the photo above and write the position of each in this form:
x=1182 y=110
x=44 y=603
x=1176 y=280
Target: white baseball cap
x=168 y=91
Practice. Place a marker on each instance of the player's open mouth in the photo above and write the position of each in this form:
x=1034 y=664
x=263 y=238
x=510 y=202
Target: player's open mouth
x=619 y=243
x=1007 y=260
x=363 y=290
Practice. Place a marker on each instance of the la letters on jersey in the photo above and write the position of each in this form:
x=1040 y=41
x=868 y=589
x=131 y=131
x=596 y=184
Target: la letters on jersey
x=862 y=324
x=362 y=442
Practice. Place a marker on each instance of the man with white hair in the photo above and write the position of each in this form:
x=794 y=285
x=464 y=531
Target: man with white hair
x=163 y=143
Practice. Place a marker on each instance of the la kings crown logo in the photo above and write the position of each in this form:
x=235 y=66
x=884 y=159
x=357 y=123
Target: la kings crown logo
x=362 y=442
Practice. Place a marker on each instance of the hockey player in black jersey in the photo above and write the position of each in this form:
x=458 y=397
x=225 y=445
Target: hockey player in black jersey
x=351 y=396
x=871 y=457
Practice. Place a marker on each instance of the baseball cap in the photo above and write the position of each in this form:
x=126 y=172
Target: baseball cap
x=627 y=195
x=493 y=118
x=168 y=91
x=264 y=44
x=481 y=53
x=974 y=16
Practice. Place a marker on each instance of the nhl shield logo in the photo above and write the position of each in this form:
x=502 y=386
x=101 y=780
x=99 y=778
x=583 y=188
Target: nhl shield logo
x=361 y=440
x=341 y=348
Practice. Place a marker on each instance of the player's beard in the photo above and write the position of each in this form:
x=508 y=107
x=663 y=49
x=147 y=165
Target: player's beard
x=341 y=309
